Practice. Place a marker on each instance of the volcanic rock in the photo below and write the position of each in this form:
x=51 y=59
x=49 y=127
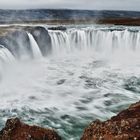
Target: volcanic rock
x=43 y=39
x=16 y=130
x=61 y=28
x=17 y=42
x=124 y=126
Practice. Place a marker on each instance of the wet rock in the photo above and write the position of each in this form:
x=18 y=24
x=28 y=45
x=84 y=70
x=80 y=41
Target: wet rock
x=17 y=42
x=61 y=28
x=16 y=130
x=124 y=126
x=43 y=39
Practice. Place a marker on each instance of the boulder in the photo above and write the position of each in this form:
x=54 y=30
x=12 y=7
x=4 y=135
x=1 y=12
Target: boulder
x=124 y=126
x=17 y=130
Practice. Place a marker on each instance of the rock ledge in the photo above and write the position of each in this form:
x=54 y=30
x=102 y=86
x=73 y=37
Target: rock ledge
x=16 y=130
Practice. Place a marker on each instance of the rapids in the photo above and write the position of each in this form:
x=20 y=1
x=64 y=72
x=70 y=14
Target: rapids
x=91 y=73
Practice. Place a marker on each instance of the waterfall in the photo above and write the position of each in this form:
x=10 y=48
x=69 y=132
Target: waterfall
x=60 y=41
x=73 y=39
x=97 y=39
x=5 y=55
x=35 y=47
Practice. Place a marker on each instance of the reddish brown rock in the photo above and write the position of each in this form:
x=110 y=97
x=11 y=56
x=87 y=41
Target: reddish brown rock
x=124 y=126
x=16 y=130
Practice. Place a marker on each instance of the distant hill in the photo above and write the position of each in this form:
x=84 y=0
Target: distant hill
x=10 y=16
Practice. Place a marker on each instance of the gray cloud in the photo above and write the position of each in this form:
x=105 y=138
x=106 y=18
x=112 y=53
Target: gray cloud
x=72 y=4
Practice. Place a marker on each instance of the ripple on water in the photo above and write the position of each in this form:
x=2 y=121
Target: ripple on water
x=132 y=84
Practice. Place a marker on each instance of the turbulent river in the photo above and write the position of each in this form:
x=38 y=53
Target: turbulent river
x=92 y=73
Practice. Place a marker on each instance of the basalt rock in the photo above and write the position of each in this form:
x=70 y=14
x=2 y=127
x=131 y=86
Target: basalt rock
x=43 y=39
x=124 y=126
x=17 y=42
x=16 y=130
x=61 y=28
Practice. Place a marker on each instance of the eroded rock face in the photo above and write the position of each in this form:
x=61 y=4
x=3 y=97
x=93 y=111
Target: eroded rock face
x=43 y=39
x=17 y=42
x=16 y=130
x=124 y=126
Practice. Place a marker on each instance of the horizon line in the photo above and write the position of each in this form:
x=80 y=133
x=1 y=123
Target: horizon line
x=23 y=9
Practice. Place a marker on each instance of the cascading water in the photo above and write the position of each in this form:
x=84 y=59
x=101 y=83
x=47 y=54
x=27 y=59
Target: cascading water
x=99 y=40
x=5 y=55
x=35 y=47
x=77 y=83
x=5 y=58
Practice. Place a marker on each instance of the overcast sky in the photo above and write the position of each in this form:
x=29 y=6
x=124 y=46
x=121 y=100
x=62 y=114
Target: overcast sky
x=72 y=4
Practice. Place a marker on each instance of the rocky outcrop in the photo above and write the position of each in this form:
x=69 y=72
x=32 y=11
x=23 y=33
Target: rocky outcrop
x=61 y=28
x=16 y=130
x=43 y=39
x=17 y=42
x=124 y=126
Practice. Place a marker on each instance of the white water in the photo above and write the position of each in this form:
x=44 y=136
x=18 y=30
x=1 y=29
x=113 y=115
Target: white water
x=35 y=47
x=6 y=56
x=99 y=40
x=81 y=81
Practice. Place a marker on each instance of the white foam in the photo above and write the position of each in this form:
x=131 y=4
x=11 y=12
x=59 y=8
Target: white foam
x=35 y=47
x=95 y=75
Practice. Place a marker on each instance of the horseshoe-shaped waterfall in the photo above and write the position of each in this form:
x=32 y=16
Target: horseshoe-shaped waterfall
x=64 y=79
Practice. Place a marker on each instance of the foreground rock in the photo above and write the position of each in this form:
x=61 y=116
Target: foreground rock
x=16 y=130
x=124 y=126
